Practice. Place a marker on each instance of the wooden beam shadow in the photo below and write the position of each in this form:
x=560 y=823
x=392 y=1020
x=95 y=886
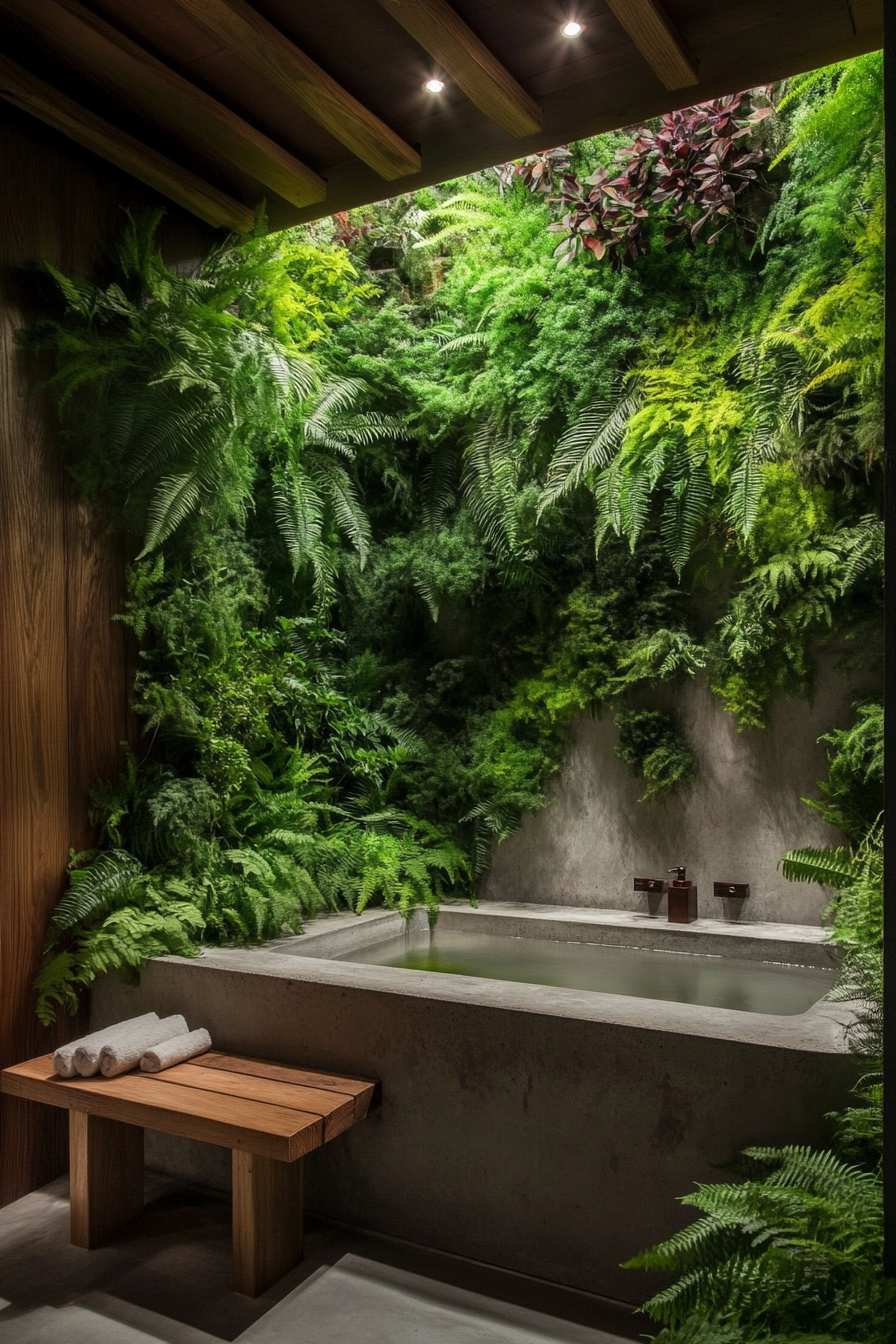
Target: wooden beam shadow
x=26 y=91
x=103 y=54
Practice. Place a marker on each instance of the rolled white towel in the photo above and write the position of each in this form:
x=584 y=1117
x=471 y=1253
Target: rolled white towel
x=176 y=1051
x=126 y=1052
x=64 y=1057
x=88 y=1058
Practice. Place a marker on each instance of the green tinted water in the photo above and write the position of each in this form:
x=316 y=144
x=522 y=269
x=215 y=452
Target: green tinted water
x=714 y=982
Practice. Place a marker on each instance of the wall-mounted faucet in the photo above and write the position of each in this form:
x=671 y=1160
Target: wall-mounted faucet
x=731 y=889
x=658 y=885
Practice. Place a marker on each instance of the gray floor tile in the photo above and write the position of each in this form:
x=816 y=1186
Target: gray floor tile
x=165 y=1279
x=360 y=1300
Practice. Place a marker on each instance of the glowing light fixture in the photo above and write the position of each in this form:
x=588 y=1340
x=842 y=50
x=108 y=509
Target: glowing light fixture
x=571 y=29
x=434 y=86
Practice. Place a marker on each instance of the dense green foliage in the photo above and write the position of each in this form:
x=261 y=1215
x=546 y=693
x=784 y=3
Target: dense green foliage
x=853 y=793
x=407 y=499
x=857 y=917
x=260 y=796
x=795 y=1249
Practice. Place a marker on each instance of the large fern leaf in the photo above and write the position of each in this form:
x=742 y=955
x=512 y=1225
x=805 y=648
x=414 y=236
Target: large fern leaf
x=830 y=867
x=685 y=511
x=111 y=880
x=588 y=445
x=175 y=497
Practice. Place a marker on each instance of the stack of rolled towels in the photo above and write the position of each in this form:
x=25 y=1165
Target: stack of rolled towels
x=150 y=1042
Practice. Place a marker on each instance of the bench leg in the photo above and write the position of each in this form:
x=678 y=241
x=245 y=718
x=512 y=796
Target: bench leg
x=267 y=1220
x=106 y=1175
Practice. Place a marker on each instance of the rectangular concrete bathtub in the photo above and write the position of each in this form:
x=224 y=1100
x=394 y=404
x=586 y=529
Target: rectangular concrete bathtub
x=547 y=1131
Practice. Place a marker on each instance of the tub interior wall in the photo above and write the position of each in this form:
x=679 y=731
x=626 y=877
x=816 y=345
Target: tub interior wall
x=743 y=812
x=742 y=984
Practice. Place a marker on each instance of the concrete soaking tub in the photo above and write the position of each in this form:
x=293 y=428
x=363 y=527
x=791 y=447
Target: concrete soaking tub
x=540 y=1127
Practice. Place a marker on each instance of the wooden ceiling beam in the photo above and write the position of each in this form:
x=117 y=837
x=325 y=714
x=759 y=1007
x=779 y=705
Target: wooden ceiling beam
x=491 y=88
x=24 y=90
x=653 y=33
x=102 y=53
x=249 y=37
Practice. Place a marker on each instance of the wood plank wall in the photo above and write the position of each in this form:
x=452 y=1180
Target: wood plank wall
x=65 y=667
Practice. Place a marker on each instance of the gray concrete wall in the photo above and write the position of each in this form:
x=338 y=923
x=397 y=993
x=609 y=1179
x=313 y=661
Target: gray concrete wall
x=545 y=1131
x=741 y=815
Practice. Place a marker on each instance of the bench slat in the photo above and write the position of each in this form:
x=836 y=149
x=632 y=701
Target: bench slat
x=230 y=1122
x=336 y=1109
x=361 y=1090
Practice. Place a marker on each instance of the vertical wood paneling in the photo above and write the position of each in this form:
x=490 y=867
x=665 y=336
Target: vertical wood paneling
x=65 y=667
x=34 y=710
x=97 y=661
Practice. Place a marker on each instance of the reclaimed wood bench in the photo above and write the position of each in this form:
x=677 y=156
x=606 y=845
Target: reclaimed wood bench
x=269 y=1115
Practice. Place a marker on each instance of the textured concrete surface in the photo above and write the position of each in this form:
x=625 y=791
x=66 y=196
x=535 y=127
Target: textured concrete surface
x=164 y=1279
x=331 y=934
x=543 y=1130
x=359 y=1299
x=789 y=944
x=741 y=815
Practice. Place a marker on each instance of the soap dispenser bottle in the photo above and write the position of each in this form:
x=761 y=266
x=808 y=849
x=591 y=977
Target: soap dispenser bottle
x=682 y=898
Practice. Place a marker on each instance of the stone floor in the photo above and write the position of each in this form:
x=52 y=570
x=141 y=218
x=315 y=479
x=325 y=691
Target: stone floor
x=164 y=1279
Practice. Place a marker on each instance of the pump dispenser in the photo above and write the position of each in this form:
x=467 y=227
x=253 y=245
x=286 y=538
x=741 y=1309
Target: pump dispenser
x=682 y=898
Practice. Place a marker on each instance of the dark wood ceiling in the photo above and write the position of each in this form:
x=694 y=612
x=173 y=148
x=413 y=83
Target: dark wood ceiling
x=315 y=106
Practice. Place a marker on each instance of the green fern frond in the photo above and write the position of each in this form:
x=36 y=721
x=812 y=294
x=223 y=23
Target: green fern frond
x=336 y=485
x=174 y=499
x=685 y=512
x=745 y=493
x=477 y=340
x=830 y=867
x=588 y=444
x=112 y=879
x=795 y=1246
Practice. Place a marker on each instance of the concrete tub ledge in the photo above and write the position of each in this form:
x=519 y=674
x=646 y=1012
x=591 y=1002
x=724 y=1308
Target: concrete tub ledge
x=822 y=1028
x=330 y=934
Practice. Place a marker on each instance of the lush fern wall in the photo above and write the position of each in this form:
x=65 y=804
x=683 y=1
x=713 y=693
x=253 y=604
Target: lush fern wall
x=413 y=491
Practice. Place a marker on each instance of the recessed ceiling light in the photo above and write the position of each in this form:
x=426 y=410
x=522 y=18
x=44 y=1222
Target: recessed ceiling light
x=434 y=86
x=571 y=29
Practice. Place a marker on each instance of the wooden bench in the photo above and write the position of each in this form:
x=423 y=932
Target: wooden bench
x=270 y=1115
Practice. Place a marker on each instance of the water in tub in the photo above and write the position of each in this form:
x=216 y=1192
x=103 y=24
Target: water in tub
x=715 y=982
